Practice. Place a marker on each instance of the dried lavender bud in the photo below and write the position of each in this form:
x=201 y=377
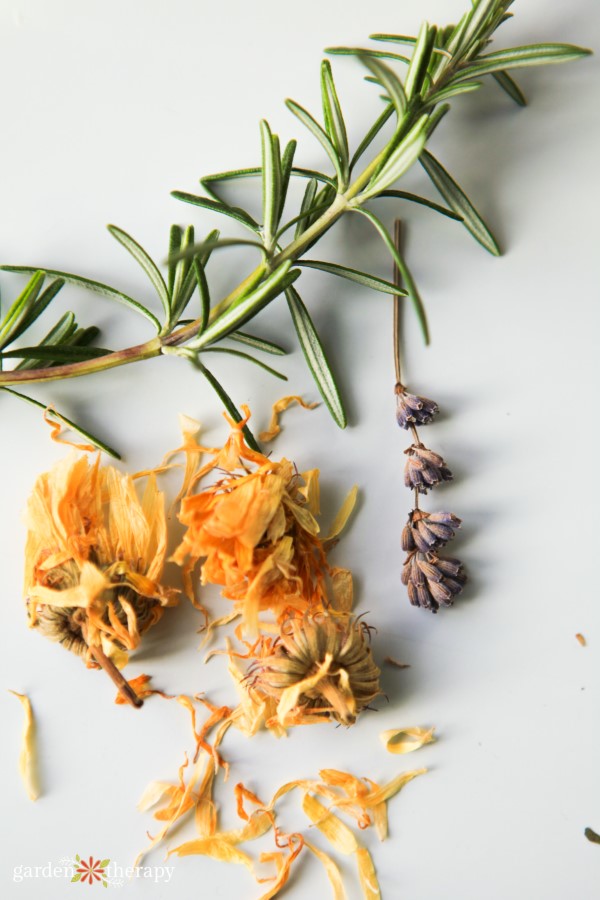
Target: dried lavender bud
x=413 y=410
x=427 y=531
x=424 y=469
x=432 y=580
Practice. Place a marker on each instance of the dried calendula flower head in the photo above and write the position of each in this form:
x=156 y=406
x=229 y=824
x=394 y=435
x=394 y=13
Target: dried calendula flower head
x=320 y=666
x=255 y=529
x=94 y=559
x=413 y=410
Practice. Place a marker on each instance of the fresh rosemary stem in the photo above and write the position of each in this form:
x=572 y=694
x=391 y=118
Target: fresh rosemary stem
x=397 y=309
x=113 y=673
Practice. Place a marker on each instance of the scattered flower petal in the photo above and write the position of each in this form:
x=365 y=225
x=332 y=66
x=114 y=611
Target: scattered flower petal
x=405 y=740
x=27 y=757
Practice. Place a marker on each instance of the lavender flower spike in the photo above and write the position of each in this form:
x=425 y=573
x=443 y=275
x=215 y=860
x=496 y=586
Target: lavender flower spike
x=413 y=410
x=432 y=580
x=424 y=469
x=427 y=531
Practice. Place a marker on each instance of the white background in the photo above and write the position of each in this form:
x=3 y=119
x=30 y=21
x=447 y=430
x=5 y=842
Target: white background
x=106 y=107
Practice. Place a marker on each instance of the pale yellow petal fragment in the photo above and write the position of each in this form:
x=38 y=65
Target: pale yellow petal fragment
x=291 y=695
x=311 y=491
x=342 y=588
x=333 y=873
x=367 y=875
x=379 y=795
x=258 y=824
x=27 y=757
x=344 y=512
x=337 y=833
x=283 y=869
x=216 y=848
x=279 y=407
x=153 y=794
x=581 y=639
x=380 y=820
x=405 y=740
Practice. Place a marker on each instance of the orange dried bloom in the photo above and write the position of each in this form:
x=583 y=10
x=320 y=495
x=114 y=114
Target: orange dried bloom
x=94 y=559
x=257 y=532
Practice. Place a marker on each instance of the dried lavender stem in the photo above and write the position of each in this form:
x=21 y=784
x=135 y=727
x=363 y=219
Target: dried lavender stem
x=397 y=310
x=113 y=673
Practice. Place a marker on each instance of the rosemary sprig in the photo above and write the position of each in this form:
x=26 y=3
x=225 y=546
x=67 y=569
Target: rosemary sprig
x=441 y=63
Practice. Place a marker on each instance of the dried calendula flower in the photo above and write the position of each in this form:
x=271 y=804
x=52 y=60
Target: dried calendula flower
x=321 y=666
x=256 y=531
x=94 y=559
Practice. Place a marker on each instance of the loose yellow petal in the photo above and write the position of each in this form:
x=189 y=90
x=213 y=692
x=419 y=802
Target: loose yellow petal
x=344 y=512
x=279 y=407
x=333 y=873
x=388 y=790
x=27 y=757
x=405 y=740
x=367 y=875
x=215 y=847
x=337 y=833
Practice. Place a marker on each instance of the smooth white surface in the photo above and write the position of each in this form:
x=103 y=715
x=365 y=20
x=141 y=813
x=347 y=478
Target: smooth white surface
x=107 y=106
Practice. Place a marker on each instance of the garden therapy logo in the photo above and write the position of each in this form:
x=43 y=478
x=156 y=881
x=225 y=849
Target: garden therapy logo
x=91 y=871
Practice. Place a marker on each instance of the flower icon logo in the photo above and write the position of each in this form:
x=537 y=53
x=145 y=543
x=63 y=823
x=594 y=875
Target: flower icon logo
x=91 y=871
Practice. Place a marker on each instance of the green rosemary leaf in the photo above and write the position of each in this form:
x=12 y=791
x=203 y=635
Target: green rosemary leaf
x=209 y=244
x=218 y=206
x=234 y=174
x=371 y=134
x=55 y=414
x=393 y=38
x=409 y=283
x=96 y=286
x=147 y=264
x=184 y=282
x=423 y=201
x=227 y=403
x=517 y=57
x=175 y=237
x=389 y=81
x=61 y=332
x=364 y=278
x=453 y=90
x=63 y=353
x=250 y=358
x=21 y=307
x=405 y=154
x=480 y=13
x=315 y=129
x=359 y=51
x=271 y=182
x=592 y=836
x=216 y=244
x=287 y=166
x=316 y=359
x=511 y=87
x=204 y=292
x=251 y=340
x=42 y=303
x=455 y=197
x=248 y=306
x=419 y=61
x=334 y=119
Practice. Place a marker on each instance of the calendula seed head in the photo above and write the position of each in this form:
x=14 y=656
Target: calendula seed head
x=325 y=663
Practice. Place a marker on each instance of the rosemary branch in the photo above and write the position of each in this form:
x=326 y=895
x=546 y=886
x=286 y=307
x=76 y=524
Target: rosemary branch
x=444 y=63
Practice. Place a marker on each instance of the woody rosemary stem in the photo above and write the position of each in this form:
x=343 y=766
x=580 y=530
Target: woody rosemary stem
x=113 y=673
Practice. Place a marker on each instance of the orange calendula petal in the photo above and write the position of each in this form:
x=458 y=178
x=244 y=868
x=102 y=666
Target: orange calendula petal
x=284 y=869
x=405 y=740
x=57 y=425
x=277 y=409
x=367 y=875
x=380 y=794
x=333 y=873
x=337 y=833
x=27 y=757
